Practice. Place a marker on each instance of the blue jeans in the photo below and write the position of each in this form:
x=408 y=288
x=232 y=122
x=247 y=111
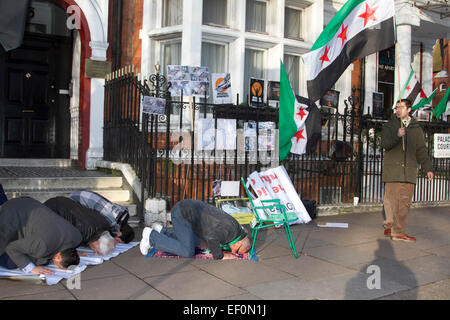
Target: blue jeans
x=180 y=240
x=6 y=262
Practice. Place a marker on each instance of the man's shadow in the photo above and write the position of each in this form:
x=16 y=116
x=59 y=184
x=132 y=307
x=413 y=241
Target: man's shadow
x=383 y=277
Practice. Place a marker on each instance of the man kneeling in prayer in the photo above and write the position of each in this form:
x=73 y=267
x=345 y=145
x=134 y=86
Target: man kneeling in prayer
x=94 y=228
x=192 y=222
x=32 y=235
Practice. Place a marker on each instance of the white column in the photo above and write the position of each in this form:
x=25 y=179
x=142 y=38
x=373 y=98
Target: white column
x=237 y=65
x=427 y=67
x=403 y=56
x=236 y=50
x=191 y=44
x=95 y=151
x=370 y=80
x=148 y=22
x=314 y=20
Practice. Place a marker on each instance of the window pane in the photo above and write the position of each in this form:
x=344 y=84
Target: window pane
x=254 y=68
x=215 y=11
x=256 y=16
x=291 y=64
x=170 y=55
x=172 y=12
x=292 y=23
x=213 y=57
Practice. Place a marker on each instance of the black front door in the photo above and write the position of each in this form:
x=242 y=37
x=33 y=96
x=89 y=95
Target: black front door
x=34 y=116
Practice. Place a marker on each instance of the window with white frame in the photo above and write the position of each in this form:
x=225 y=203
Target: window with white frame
x=214 y=57
x=256 y=15
x=215 y=12
x=292 y=66
x=170 y=54
x=292 y=23
x=172 y=12
x=254 y=68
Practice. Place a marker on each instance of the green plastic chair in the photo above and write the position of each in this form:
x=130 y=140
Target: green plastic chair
x=280 y=219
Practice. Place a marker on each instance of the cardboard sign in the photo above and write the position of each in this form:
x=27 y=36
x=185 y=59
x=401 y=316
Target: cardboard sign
x=442 y=145
x=276 y=184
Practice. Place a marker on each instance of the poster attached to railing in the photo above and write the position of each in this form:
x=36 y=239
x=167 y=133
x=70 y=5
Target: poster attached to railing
x=221 y=85
x=276 y=184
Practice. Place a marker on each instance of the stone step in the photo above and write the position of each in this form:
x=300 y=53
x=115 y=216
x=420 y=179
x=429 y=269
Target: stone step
x=47 y=183
x=12 y=162
x=114 y=195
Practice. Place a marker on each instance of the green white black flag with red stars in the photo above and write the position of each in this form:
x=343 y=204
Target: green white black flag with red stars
x=359 y=29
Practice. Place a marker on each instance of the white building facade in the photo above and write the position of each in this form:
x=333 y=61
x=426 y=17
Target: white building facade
x=248 y=38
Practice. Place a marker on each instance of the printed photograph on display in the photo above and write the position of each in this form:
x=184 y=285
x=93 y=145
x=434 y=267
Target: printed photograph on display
x=226 y=134
x=256 y=92
x=266 y=136
x=177 y=73
x=273 y=93
x=188 y=81
x=206 y=138
x=221 y=84
x=153 y=105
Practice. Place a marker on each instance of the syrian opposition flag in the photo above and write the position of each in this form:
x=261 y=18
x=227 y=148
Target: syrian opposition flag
x=296 y=133
x=412 y=91
x=359 y=29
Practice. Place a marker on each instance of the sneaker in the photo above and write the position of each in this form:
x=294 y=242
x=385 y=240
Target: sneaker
x=145 y=245
x=403 y=237
x=157 y=226
x=387 y=232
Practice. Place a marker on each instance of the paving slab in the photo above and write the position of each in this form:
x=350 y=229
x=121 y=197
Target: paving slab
x=431 y=263
x=410 y=276
x=443 y=251
x=10 y=288
x=343 y=256
x=195 y=285
x=435 y=291
x=245 y=273
x=354 y=286
x=124 y=287
x=306 y=267
x=292 y=289
x=143 y=267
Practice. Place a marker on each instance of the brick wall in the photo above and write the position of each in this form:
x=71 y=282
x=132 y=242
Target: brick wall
x=125 y=49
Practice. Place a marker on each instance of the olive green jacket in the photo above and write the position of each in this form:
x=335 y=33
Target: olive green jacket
x=399 y=165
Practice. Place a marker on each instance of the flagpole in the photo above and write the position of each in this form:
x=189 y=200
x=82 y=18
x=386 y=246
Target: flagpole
x=399 y=90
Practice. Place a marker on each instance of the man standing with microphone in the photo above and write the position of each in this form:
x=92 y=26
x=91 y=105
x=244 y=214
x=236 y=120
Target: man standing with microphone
x=404 y=144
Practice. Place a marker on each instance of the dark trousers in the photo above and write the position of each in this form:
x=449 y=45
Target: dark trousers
x=181 y=240
x=3 y=197
x=6 y=262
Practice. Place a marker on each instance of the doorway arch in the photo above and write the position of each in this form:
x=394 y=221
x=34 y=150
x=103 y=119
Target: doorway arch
x=93 y=35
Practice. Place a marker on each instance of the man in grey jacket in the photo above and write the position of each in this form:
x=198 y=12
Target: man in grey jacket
x=32 y=235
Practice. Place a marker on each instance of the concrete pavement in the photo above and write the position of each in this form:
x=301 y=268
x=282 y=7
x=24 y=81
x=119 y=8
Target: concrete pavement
x=354 y=263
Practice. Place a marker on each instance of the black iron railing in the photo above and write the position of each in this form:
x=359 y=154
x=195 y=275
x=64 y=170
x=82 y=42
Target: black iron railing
x=163 y=149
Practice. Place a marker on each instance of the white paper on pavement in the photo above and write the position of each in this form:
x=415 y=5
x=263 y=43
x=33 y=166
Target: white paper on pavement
x=91 y=259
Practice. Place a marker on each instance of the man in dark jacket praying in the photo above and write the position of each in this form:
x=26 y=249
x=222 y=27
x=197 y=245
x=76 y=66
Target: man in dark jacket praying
x=404 y=144
x=94 y=228
x=32 y=235
x=192 y=221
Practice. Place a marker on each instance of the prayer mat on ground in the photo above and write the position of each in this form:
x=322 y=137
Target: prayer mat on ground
x=200 y=253
x=90 y=259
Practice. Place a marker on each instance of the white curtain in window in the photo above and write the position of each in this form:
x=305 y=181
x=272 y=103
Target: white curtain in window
x=170 y=55
x=292 y=23
x=256 y=16
x=254 y=68
x=172 y=12
x=292 y=64
x=213 y=57
x=215 y=11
